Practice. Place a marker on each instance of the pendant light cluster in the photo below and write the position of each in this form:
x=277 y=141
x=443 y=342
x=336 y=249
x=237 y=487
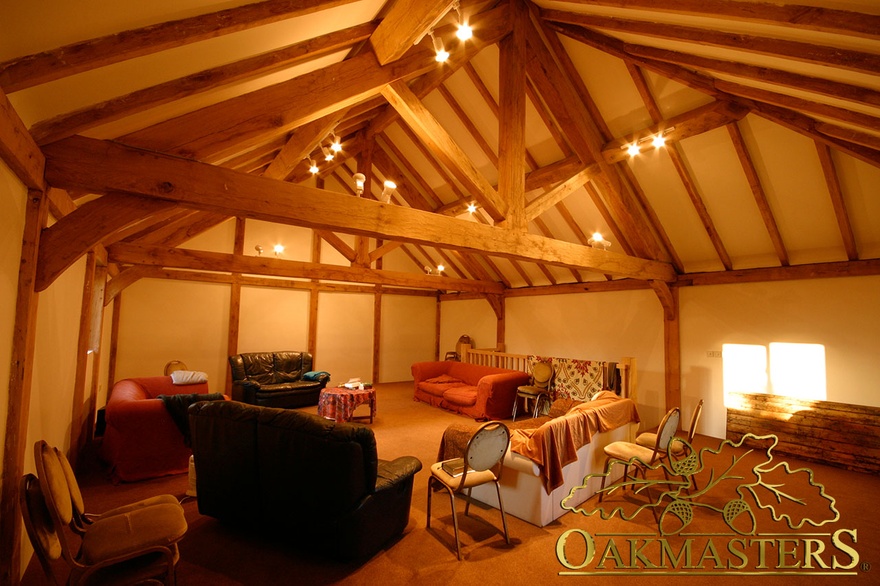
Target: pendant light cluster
x=329 y=153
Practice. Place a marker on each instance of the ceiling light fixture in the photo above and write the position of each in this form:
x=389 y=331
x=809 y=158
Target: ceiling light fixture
x=464 y=32
x=313 y=168
x=278 y=248
x=657 y=141
x=597 y=241
x=472 y=208
x=359 y=180
x=328 y=156
x=335 y=146
x=259 y=250
x=387 y=190
x=441 y=54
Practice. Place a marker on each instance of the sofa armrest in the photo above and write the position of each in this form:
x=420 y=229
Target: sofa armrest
x=139 y=415
x=391 y=473
x=245 y=391
x=425 y=370
x=497 y=392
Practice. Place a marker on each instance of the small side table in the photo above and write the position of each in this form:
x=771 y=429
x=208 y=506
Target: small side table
x=339 y=403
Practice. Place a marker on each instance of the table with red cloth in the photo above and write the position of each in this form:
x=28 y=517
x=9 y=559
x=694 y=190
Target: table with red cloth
x=339 y=403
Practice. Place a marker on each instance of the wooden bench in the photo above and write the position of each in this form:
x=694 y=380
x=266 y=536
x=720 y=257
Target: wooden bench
x=837 y=434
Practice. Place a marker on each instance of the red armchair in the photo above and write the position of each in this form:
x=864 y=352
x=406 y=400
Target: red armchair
x=141 y=439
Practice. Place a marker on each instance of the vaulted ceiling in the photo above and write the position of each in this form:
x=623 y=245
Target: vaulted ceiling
x=163 y=119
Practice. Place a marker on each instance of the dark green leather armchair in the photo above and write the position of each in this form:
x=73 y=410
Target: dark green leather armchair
x=311 y=481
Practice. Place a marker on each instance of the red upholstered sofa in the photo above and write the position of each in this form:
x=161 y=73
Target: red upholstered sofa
x=141 y=439
x=481 y=392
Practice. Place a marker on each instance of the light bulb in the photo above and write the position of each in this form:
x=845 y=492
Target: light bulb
x=359 y=179
x=658 y=141
x=313 y=168
x=464 y=30
x=335 y=146
x=328 y=156
x=278 y=248
x=440 y=269
x=472 y=208
x=441 y=53
x=632 y=150
x=389 y=188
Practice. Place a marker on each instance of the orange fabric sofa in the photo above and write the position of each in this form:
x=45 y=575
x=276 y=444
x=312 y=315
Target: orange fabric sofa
x=480 y=392
x=141 y=439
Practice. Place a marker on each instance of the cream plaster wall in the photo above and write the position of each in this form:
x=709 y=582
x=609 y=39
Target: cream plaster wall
x=273 y=319
x=473 y=317
x=596 y=326
x=407 y=334
x=165 y=320
x=841 y=314
x=54 y=368
x=345 y=336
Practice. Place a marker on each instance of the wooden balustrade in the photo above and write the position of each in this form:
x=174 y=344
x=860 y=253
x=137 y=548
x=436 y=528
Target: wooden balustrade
x=497 y=359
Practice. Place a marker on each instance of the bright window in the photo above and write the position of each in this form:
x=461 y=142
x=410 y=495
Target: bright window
x=792 y=370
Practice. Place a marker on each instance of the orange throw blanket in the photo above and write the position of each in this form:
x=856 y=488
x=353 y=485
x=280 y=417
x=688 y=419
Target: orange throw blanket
x=554 y=444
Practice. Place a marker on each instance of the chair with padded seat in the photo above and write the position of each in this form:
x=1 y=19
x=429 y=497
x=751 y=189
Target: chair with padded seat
x=137 y=537
x=538 y=391
x=648 y=439
x=82 y=519
x=643 y=458
x=93 y=564
x=481 y=464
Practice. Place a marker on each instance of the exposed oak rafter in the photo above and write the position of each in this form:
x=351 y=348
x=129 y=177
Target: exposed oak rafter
x=43 y=67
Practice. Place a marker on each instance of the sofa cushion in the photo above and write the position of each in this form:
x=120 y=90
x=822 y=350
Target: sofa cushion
x=260 y=367
x=290 y=366
x=463 y=395
x=443 y=378
x=293 y=386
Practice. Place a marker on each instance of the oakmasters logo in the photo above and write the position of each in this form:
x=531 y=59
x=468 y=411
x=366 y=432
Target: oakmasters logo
x=725 y=511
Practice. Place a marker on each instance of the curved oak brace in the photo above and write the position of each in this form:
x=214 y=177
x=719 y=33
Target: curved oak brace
x=667 y=300
x=497 y=303
x=80 y=231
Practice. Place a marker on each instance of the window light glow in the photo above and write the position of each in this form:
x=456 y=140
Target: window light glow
x=744 y=369
x=798 y=370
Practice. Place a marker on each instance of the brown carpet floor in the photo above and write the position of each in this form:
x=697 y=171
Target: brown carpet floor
x=214 y=554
